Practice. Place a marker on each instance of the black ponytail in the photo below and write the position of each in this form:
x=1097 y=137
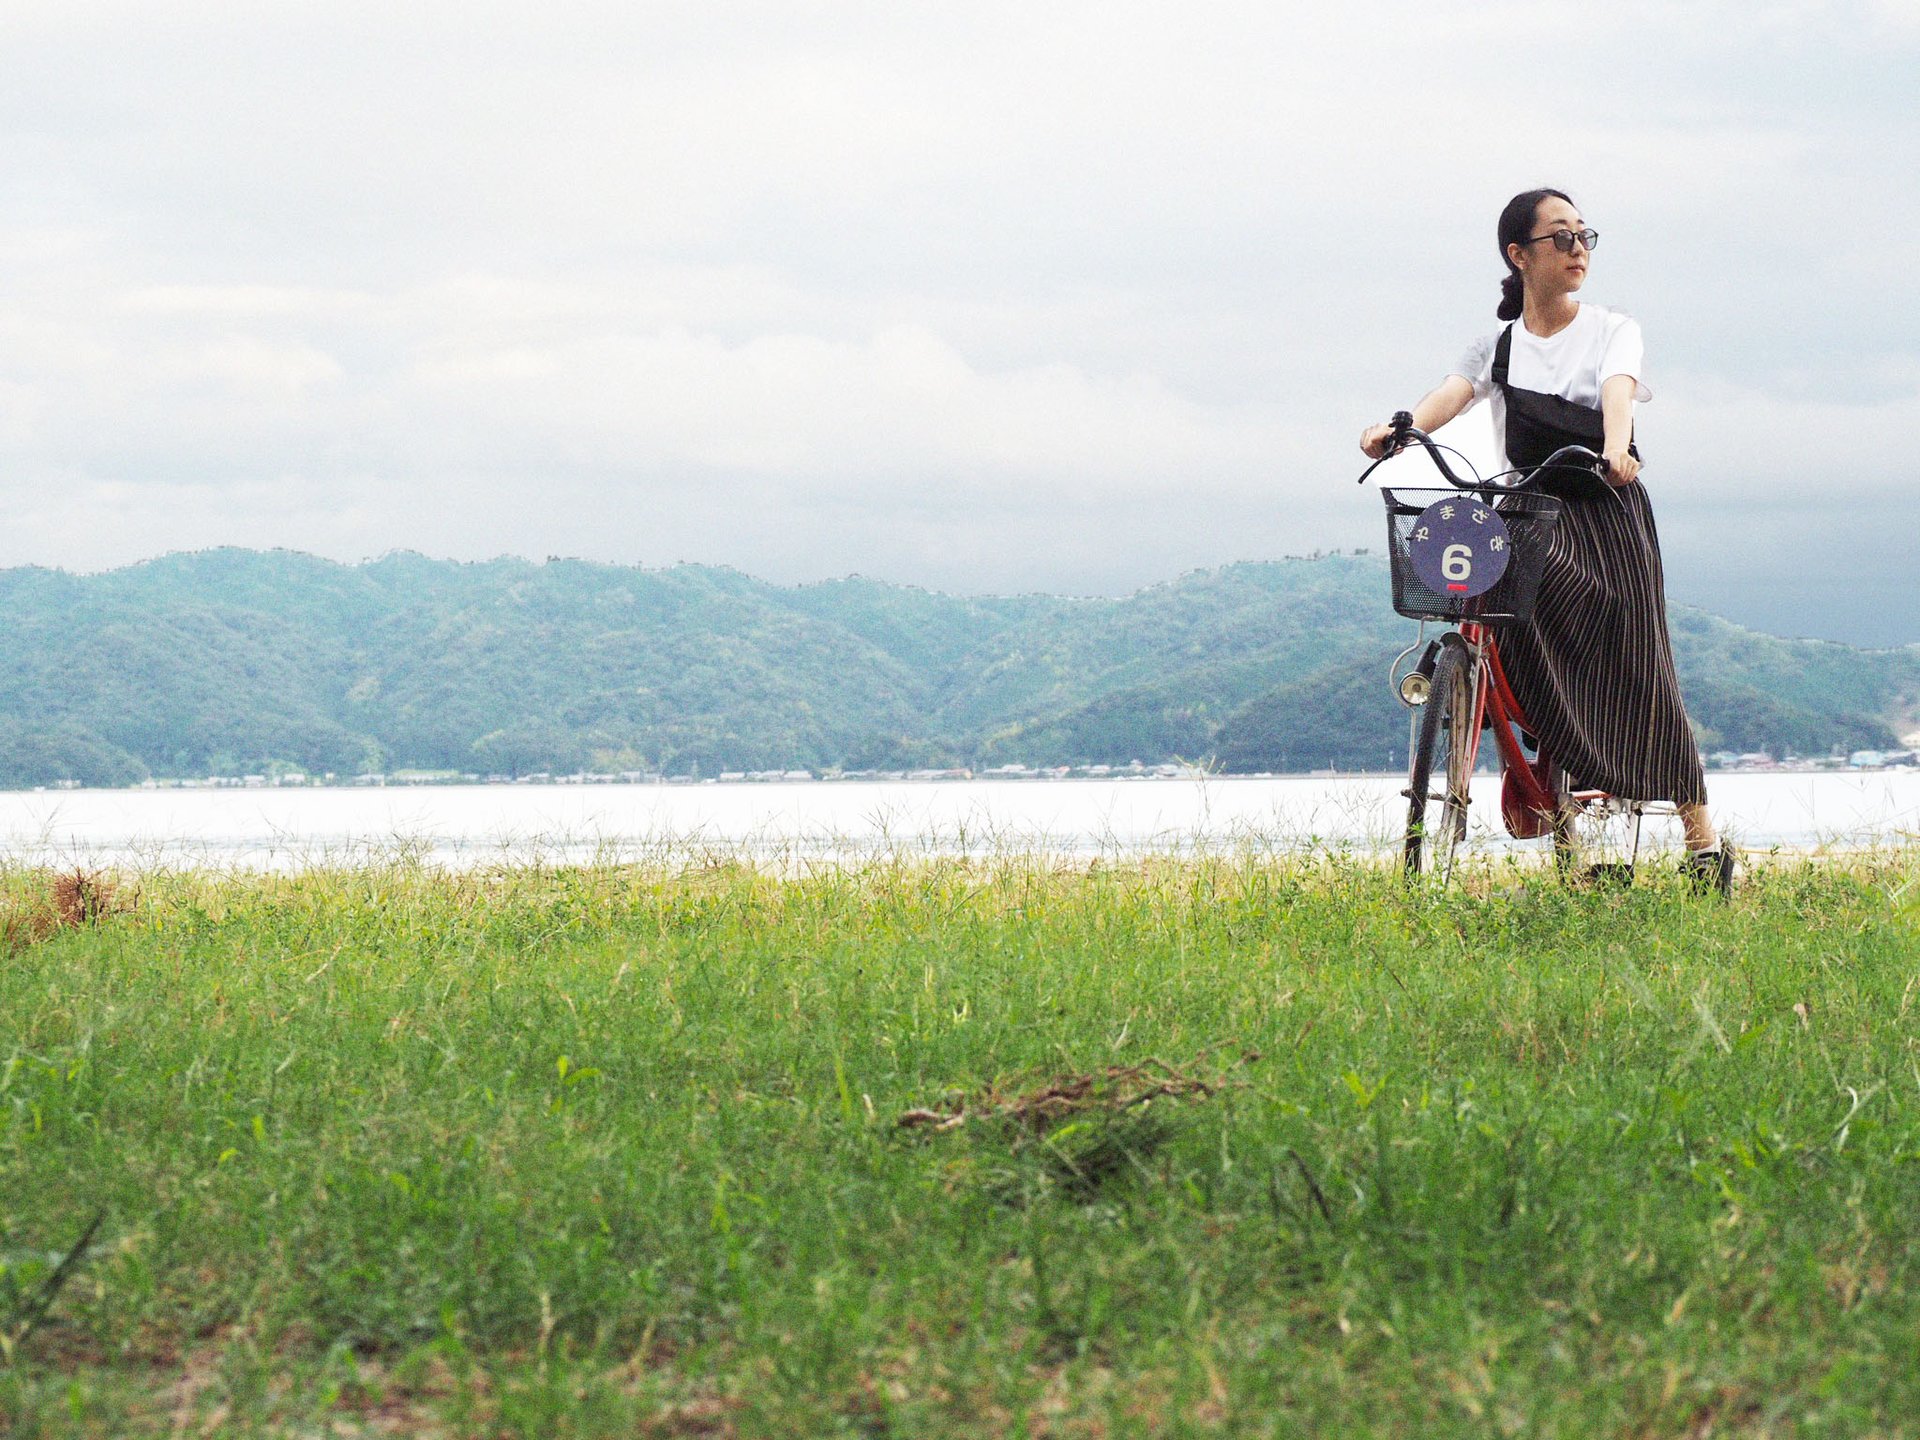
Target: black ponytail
x=1512 y=293
x=1516 y=225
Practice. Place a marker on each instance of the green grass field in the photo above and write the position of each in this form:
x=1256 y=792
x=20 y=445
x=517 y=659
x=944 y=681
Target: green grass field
x=1249 y=1148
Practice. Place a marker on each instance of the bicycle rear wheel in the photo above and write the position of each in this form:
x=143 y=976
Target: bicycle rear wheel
x=1443 y=754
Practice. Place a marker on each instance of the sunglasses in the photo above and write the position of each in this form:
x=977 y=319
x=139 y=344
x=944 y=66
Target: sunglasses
x=1563 y=240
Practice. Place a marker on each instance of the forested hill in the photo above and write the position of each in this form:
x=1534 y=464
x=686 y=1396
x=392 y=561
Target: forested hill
x=235 y=661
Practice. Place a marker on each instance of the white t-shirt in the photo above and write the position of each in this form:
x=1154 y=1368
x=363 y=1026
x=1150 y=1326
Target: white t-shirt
x=1574 y=364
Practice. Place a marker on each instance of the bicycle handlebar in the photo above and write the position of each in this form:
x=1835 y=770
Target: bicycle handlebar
x=1405 y=434
x=1570 y=457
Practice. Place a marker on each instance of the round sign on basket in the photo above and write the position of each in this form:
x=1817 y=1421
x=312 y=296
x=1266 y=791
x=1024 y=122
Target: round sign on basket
x=1459 y=547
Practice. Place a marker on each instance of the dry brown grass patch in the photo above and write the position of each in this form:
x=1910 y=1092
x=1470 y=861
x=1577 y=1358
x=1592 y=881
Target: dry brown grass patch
x=1116 y=1089
x=69 y=900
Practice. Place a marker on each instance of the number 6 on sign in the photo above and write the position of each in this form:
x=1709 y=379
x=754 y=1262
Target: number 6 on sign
x=1456 y=554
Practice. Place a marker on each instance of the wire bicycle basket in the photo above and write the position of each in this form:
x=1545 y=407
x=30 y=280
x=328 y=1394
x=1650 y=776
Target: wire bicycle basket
x=1529 y=518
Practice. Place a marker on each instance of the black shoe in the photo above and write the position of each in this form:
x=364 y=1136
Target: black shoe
x=1710 y=872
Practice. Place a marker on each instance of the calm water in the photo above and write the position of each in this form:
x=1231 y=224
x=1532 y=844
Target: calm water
x=469 y=825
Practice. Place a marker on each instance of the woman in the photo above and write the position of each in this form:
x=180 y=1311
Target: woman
x=1594 y=670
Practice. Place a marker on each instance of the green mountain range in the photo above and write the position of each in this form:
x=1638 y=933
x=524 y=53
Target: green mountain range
x=235 y=661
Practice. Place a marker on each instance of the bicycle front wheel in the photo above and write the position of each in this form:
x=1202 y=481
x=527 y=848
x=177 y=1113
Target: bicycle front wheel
x=1444 y=751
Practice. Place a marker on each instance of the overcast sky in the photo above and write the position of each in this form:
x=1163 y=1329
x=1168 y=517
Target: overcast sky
x=978 y=296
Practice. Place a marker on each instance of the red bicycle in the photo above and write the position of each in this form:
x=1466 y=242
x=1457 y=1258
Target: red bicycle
x=1470 y=558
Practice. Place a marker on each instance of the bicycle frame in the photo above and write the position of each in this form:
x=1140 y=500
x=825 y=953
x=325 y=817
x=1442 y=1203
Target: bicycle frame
x=1496 y=707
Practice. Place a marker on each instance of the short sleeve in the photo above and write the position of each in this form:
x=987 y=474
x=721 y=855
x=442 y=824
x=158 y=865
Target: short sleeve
x=1625 y=353
x=1476 y=366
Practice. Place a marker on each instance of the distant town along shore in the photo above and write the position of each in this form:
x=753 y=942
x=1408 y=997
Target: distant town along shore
x=1725 y=761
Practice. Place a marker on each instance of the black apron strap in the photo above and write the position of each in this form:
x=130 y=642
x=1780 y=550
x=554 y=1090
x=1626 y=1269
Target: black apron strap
x=1502 y=352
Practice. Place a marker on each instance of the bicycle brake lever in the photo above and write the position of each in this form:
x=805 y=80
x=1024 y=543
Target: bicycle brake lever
x=1402 y=422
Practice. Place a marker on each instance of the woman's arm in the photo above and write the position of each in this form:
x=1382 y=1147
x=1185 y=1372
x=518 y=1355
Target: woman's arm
x=1436 y=408
x=1616 y=416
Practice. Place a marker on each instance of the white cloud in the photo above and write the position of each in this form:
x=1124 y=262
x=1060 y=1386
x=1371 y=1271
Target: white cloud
x=999 y=294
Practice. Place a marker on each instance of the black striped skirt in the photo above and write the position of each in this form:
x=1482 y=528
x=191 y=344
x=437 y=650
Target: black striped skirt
x=1594 y=670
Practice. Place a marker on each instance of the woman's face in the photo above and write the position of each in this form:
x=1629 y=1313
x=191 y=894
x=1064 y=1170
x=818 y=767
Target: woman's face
x=1543 y=268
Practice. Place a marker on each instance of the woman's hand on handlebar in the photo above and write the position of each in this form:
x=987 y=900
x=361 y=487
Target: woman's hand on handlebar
x=1376 y=441
x=1622 y=466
